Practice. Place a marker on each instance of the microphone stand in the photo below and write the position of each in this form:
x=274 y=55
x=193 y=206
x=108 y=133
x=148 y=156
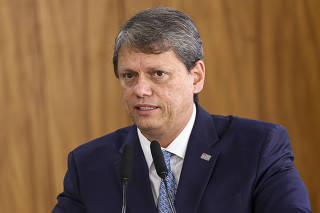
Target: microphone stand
x=124 y=194
x=173 y=210
x=125 y=173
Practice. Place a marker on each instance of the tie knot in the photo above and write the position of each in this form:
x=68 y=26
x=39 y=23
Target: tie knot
x=167 y=156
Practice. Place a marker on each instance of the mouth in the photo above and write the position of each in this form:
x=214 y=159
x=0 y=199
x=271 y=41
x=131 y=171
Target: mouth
x=144 y=108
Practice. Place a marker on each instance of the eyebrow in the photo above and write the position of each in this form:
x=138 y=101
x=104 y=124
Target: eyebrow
x=151 y=69
x=126 y=70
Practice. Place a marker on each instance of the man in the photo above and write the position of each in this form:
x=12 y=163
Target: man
x=218 y=164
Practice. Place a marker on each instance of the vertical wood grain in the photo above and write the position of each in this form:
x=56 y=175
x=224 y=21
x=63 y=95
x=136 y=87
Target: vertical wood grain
x=57 y=88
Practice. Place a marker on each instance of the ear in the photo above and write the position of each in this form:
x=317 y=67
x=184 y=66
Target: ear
x=198 y=73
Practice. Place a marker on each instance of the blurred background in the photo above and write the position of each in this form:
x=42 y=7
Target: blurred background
x=58 y=90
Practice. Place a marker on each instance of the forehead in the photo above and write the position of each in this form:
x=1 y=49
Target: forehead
x=131 y=58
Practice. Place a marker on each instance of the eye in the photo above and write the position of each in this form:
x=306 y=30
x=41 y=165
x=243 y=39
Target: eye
x=160 y=76
x=127 y=75
x=159 y=73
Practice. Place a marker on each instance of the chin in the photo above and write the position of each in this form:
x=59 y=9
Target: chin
x=146 y=126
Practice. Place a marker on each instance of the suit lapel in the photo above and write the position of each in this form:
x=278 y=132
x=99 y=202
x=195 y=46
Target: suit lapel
x=195 y=174
x=196 y=171
x=139 y=194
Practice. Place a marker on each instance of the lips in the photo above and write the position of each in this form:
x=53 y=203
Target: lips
x=147 y=108
x=144 y=109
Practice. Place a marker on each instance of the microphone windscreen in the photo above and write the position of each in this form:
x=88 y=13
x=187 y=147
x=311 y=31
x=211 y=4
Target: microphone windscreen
x=158 y=159
x=127 y=161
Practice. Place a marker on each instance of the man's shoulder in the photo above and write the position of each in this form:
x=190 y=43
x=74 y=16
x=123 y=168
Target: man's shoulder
x=239 y=126
x=109 y=142
x=251 y=136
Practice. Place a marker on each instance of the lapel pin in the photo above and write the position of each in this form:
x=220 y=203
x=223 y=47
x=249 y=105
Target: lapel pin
x=205 y=156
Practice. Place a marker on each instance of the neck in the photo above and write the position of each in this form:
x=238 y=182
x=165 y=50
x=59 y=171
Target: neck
x=164 y=139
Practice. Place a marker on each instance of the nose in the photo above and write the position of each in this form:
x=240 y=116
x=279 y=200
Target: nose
x=142 y=87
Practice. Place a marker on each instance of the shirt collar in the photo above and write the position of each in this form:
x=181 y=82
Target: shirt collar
x=178 y=146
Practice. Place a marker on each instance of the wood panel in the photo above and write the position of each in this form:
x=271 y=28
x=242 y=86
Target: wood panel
x=57 y=88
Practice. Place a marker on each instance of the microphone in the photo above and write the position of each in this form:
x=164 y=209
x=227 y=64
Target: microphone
x=125 y=173
x=158 y=159
x=161 y=168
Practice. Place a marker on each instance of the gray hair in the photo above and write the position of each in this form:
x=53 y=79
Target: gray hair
x=158 y=30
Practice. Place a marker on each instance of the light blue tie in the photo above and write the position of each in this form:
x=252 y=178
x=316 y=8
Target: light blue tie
x=163 y=203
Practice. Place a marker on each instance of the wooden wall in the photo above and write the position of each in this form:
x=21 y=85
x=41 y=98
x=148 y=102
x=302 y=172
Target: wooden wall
x=57 y=88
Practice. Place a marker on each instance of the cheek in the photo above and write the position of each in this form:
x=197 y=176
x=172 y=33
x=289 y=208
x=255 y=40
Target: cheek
x=125 y=93
x=178 y=94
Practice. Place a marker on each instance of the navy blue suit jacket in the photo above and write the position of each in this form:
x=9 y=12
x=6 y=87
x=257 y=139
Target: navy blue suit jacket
x=251 y=170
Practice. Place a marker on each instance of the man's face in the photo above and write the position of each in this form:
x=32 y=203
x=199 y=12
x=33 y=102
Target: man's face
x=157 y=90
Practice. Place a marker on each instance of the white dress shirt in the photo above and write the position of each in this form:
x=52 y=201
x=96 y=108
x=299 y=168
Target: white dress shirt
x=178 y=147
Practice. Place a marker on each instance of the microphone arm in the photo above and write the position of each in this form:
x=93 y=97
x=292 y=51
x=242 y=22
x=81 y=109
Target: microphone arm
x=124 y=195
x=173 y=210
x=125 y=173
